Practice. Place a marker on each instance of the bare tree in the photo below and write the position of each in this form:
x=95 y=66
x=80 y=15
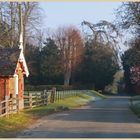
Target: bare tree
x=9 y=15
x=70 y=43
x=106 y=33
x=128 y=16
x=103 y=31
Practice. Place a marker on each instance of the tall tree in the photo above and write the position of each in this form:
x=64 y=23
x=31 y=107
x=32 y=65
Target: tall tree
x=70 y=43
x=129 y=19
x=50 y=63
x=128 y=16
x=106 y=33
x=131 y=64
x=32 y=55
x=9 y=15
x=98 y=66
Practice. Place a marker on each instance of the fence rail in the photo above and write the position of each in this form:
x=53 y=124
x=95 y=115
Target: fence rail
x=35 y=98
x=8 y=106
x=38 y=98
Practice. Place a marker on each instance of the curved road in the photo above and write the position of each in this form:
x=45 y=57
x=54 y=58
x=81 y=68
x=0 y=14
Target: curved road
x=108 y=118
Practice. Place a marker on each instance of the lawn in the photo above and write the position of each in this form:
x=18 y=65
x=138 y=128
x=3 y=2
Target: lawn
x=11 y=125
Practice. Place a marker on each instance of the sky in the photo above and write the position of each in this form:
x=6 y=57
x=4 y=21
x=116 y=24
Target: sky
x=73 y=13
x=57 y=14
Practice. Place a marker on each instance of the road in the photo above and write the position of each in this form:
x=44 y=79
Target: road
x=108 y=118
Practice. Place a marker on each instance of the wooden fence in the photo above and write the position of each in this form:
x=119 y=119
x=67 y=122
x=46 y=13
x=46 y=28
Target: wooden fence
x=8 y=106
x=39 y=98
x=35 y=98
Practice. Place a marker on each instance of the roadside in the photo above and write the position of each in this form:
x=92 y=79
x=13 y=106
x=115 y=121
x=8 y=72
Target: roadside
x=9 y=127
x=135 y=105
x=108 y=118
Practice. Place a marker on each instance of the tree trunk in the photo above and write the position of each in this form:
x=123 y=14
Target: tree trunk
x=67 y=77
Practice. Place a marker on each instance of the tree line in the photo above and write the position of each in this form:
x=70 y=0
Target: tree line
x=67 y=56
x=129 y=21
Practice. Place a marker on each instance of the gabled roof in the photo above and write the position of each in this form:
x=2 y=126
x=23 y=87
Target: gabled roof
x=9 y=57
x=8 y=60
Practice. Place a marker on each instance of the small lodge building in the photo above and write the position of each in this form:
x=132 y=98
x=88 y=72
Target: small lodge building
x=13 y=67
x=12 y=70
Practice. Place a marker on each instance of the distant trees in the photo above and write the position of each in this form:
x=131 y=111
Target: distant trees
x=65 y=57
x=59 y=56
x=129 y=14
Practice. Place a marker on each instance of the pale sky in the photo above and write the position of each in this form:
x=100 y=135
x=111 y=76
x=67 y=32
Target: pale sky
x=73 y=13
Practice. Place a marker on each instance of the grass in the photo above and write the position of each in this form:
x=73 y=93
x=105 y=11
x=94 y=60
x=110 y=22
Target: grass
x=96 y=95
x=17 y=122
x=10 y=126
x=136 y=109
x=135 y=106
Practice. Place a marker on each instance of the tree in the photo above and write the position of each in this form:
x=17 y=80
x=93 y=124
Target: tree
x=131 y=63
x=32 y=55
x=101 y=54
x=50 y=63
x=31 y=19
x=9 y=17
x=98 y=67
x=129 y=19
x=70 y=43
x=129 y=16
x=106 y=33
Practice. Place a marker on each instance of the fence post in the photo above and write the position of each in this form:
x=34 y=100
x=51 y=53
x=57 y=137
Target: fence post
x=30 y=100
x=45 y=97
x=6 y=105
x=63 y=94
x=53 y=91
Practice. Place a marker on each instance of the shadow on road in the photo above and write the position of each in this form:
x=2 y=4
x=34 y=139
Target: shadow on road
x=115 y=110
x=108 y=118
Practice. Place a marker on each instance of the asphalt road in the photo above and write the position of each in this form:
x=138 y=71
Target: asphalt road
x=108 y=118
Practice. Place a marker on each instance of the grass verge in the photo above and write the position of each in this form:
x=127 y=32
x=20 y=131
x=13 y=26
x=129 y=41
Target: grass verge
x=136 y=109
x=135 y=105
x=96 y=95
x=9 y=127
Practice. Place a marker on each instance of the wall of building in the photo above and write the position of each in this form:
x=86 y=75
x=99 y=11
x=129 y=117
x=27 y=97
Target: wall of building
x=8 y=86
x=19 y=72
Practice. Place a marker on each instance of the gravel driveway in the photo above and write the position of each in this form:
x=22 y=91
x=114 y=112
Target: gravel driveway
x=108 y=118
